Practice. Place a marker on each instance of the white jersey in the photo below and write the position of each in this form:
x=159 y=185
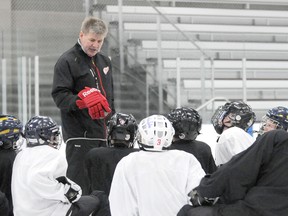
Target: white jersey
x=154 y=183
x=231 y=142
x=35 y=190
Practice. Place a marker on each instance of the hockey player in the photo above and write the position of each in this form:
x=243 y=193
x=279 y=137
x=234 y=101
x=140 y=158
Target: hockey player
x=252 y=183
x=154 y=181
x=275 y=118
x=187 y=124
x=101 y=162
x=10 y=143
x=232 y=121
x=39 y=184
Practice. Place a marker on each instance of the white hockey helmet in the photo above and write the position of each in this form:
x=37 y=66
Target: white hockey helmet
x=155 y=133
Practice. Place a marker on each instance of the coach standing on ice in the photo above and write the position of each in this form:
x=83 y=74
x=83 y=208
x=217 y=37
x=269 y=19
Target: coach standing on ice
x=83 y=91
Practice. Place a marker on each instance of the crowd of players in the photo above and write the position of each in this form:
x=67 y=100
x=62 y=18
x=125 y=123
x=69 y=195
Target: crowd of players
x=154 y=168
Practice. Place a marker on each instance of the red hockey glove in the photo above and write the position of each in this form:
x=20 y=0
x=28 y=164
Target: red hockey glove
x=98 y=106
x=89 y=97
x=96 y=112
x=80 y=104
x=100 y=110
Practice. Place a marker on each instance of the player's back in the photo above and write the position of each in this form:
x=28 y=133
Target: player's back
x=154 y=183
x=200 y=150
x=101 y=163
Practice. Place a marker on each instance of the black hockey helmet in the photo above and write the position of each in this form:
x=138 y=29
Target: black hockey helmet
x=10 y=131
x=122 y=130
x=42 y=130
x=239 y=113
x=186 y=121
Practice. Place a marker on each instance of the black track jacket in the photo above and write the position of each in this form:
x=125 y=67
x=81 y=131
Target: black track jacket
x=72 y=73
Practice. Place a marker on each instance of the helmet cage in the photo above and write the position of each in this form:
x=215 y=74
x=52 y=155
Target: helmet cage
x=266 y=122
x=278 y=116
x=155 y=133
x=218 y=117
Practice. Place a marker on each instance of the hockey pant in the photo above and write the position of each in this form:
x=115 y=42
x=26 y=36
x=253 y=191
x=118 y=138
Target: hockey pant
x=236 y=209
x=96 y=204
x=76 y=150
x=4 y=205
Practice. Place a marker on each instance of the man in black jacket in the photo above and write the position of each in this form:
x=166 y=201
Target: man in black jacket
x=83 y=91
x=253 y=183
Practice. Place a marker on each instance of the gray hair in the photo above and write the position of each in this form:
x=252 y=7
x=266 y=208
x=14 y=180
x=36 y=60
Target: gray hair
x=95 y=25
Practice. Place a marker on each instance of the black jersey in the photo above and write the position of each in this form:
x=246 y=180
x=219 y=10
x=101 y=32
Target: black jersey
x=101 y=163
x=200 y=150
x=4 y=205
x=7 y=157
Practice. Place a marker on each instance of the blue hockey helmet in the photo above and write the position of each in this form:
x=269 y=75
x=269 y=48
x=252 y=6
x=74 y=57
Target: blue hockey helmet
x=42 y=130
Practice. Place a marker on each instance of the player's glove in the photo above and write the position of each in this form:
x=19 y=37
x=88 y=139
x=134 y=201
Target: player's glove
x=73 y=191
x=198 y=200
x=97 y=104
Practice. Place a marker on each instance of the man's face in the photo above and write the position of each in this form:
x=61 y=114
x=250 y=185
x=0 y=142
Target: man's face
x=91 y=43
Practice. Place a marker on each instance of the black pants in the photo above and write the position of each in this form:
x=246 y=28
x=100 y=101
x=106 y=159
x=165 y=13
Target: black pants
x=96 y=203
x=236 y=209
x=85 y=206
x=4 y=205
x=76 y=150
x=188 y=210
